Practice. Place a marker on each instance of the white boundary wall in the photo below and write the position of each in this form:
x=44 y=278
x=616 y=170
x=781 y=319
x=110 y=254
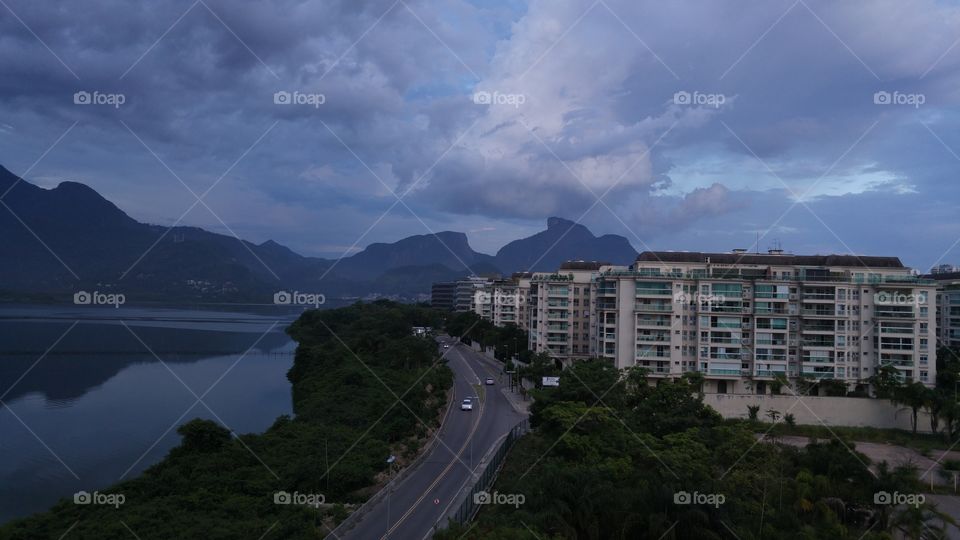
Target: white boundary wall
x=812 y=410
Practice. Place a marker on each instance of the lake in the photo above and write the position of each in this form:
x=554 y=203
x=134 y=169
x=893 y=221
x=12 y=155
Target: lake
x=93 y=395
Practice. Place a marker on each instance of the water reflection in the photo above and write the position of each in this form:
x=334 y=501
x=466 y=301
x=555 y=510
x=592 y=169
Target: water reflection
x=98 y=405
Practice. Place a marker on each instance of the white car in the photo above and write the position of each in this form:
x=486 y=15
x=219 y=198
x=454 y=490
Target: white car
x=446 y=345
x=466 y=405
x=490 y=381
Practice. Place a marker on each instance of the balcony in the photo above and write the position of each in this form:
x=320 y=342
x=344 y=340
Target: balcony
x=656 y=308
x=770 y=373
x=889 y=313
x=661 y=338
x=771 y=358
x=715 y=371
x=819 y=313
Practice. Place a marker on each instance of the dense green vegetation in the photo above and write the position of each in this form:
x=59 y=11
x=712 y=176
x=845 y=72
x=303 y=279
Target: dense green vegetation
x=507 y=341
x=612 y=456
x=363 y=388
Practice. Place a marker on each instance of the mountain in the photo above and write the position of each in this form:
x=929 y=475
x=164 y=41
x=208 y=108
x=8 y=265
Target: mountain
x=563 y=241
x=449 y=249
x=70 y=238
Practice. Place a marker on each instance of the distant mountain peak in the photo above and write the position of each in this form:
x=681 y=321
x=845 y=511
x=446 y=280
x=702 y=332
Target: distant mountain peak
x=563 y=241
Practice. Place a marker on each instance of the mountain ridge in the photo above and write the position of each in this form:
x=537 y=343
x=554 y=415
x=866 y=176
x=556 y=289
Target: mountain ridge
x=86 y=241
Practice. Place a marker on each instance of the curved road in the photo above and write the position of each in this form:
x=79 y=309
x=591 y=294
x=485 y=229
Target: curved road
x=412 y=508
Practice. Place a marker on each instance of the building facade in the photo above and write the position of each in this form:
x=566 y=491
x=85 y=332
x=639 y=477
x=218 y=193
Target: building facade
x=743 y=320
x=442 y=295
x=560 y=311
x=948 y=308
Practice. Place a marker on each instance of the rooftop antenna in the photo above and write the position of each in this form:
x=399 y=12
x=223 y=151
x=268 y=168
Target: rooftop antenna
x=757 y=245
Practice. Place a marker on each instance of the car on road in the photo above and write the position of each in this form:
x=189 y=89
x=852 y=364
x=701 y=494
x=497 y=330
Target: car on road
x=466 y=405
x=489 y=381
x=446 y=345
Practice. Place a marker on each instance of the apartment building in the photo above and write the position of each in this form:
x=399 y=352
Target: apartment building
x=948 y=306
x=560 y=311
x=443 y=294
x=503 y=302
x=744 y=319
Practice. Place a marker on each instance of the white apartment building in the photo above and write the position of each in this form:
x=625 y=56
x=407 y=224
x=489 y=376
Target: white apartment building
x=742 y=319
x=948 y=307
x=500 y=302
x=561 y=317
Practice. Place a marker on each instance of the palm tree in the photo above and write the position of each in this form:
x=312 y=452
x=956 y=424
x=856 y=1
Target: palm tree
x=913 y=396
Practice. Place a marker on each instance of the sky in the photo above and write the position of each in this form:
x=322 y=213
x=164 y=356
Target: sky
x=818 y=126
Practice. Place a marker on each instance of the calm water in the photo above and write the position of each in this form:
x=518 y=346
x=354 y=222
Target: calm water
x=99 y=406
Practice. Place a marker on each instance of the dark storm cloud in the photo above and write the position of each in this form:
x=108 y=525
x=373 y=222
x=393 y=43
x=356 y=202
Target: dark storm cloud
x=582 y=104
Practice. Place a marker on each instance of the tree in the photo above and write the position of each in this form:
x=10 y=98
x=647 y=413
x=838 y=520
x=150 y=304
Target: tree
x=913 y=396
x=773 y=415
x=886 y=382
x=752 y=412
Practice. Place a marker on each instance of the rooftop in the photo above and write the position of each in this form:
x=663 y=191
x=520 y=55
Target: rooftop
x=770 y=259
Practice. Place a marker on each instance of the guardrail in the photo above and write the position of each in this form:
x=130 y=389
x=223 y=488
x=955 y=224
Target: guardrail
x=469 y=508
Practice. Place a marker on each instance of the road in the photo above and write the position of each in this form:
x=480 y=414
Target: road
x=412 y=508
